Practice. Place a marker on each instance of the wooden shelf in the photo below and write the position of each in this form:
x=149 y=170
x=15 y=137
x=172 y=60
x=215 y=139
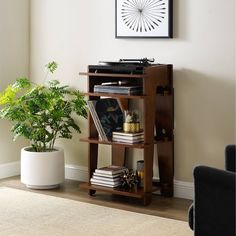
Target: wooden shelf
x=92 y=94
x=131 y=145
x=137 y=193
x=113 y=75
x=114 y=95
x=134 y=193
x=157 y=113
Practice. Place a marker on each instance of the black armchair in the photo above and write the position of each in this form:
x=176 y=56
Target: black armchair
x=213 y=210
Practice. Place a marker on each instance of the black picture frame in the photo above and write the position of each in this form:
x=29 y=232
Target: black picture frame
x=144 y=18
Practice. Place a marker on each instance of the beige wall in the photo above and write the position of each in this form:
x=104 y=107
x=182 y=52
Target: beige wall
x=14 y=62
x=76 y=33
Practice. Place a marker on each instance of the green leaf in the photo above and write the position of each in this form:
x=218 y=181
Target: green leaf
x=53 y=83
x=22 y=83
x=51 y=66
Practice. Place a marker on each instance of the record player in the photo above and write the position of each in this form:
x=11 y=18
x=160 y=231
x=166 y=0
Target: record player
x=131 y=66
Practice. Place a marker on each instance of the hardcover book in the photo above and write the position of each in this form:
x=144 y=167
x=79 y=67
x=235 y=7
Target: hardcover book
x=120 y=140
x=106 y=179
x=105 y=184
x=141 y=137
x=111 y=170
x=121 y=134
x=95 y=174
x=128 y=137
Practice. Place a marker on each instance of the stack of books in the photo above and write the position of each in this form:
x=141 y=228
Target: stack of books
x=108 y=176
x=118 y=89
x=128 y=137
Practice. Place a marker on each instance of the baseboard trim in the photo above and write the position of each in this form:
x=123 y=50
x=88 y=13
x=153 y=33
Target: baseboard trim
x=74 y=172
x=9 y=169
x=183 y=189
x=80 y=173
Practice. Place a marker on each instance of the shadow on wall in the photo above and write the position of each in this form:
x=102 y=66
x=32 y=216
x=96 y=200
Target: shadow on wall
x=204 y=118
x=10 y=150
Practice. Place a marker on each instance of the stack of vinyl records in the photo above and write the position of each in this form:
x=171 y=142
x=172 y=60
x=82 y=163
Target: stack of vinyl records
x=128 y=137
x=107 y=116
x=108 y=176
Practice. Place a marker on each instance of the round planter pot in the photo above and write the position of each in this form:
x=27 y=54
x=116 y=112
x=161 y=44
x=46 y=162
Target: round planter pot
x=42 y=170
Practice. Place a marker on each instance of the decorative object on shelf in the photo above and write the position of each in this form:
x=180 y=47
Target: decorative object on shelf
x=144 y=18
x=129 y=179
x=140 y=171
x=131 y=122
x=42 y=113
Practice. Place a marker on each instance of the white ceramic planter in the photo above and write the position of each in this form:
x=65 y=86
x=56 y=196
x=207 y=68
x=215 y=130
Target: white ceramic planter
x=42 y=170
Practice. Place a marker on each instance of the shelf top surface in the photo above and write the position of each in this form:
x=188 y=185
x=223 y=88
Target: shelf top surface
x=97 y=141
x=112 y=75
x=92 y=94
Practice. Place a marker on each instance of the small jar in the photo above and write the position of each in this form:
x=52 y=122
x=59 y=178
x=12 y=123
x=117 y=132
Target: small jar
x=131 y=122
x=140 y=171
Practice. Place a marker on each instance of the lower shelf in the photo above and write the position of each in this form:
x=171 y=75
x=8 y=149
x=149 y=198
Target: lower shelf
x=136 y=193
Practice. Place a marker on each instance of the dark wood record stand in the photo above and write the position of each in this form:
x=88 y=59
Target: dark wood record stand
x=158 y=114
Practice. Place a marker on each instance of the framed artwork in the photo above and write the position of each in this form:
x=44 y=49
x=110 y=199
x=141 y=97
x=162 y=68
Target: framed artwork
x=144 y=18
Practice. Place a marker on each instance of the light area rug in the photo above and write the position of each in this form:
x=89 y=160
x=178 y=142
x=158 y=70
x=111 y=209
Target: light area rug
x=24 y=213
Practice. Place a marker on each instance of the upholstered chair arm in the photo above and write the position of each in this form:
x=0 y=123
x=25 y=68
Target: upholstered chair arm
x=214 y=202
x=230 y=156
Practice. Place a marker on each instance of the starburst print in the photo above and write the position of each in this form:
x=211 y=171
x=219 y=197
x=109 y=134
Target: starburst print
x=143 y=15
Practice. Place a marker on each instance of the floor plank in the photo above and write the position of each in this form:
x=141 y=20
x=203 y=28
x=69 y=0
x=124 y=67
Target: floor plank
x=174 y=208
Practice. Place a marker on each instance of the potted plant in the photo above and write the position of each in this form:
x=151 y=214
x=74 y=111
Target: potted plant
x=42 y=114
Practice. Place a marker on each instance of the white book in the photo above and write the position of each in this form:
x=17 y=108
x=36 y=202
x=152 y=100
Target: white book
x=111 y=170
x=141 y=137
x=106 y=175
x=107 y=179
x=105 y=183
x=121 y=140
x=127 y=134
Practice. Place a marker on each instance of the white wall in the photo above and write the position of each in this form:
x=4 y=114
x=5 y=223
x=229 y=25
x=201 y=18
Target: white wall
x=14 y=62
x=76 y=33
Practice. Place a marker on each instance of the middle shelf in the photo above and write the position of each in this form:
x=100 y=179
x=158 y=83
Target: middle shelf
x=131 y=145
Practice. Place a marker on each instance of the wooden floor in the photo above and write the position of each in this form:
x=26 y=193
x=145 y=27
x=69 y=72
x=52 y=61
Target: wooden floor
x=174 y=208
